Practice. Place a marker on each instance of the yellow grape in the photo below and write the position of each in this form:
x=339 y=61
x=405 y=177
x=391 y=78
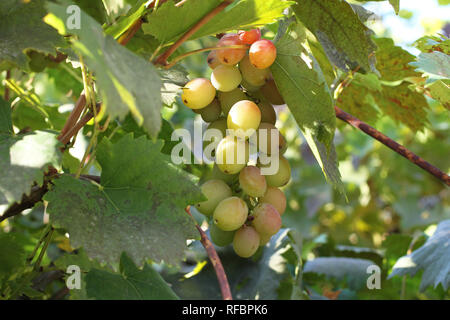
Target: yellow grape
x=198 y=93
x=283 y=174
x=244 y=115
x=230 y=214
x=232 y=154
x=246 y=241
x=275 y=197
x=215 y=191
x=226 y=78
x=252 y=182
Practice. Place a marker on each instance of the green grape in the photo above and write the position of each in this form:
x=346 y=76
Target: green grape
x=219 y=237
x=268 y=113
x=218 y=174
x=246 y=241
x=212 y=60
x=266 y=219
x=270 y=91
x=270 y=140
x=226 y=78
x=232 y=154
x=230 y=57
x=198 y=93
x=215 y=191
x=253 y=76
x=249 y=87
x=214 y=133
x=228 y=99
x=275 y=197
x=230 y=214
x=262 y=54
x=244 y=115
x=211 y=112
x=252 y=182
x=283 y=174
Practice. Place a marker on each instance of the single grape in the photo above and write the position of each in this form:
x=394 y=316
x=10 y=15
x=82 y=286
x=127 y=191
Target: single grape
x=246 y=241
x=232 y=154
x=282 y=175
x=212 y=60
x=226 y=78
x=268 y=113
x=266 y=219
x=253 y=76
x=244 y=115
x=211 y=112
x=228 y=99
x=219 y=124
x=249 y=87
x=262 y=53
x=270 y=91
x=270 y=140
x=198 y=93
x=219 y=237
x=250 y=36
x=218 y=174
x=252 y=182
x=275 y=197
x=215 y=191
x=230 y=57
x=230 y=214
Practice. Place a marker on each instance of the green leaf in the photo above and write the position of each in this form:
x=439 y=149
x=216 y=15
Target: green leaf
x=302 y=85
x=173 y=80
x=23 y=160
x=138 y=208
x=5 y=118
x=125 y=22
x=352 y=269
x=433 y=257
x=130 y=284
x=433 y=43
x=168 y=23
x=21 y=29
x=119 y=73
x=345 y=39
x=440 y=91
x=396 y=5
x=435 y=65
x=13 y=255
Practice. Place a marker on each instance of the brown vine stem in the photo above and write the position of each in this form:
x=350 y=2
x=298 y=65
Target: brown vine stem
x=215 y=260
x=6 y=93
x=162 y=59
x=74 y=130
x=74 y=115
x=408 y=154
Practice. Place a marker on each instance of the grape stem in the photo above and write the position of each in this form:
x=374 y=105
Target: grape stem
x=215 y=260
x=162 y=59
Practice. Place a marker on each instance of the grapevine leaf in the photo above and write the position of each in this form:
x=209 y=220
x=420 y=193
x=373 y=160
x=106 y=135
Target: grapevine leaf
x=13 y=256
x=433 y=43
x=396 y=5
x=352 y=269
x=440 y=91
x=138 y=208
x=303 y=87
x=433 y=257
x=125 y=22
x=168 y=23
x=119 y=72
x=345 y=39
x=435 y=65
x=173 y=80
x=23 y=160
x=21 y=29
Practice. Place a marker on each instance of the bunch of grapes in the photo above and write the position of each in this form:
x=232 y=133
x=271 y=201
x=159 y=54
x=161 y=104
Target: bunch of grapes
x=244 y=205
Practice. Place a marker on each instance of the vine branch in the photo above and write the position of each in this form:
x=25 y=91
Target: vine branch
x=408 y=154
x=162 y=59
x=215 y=260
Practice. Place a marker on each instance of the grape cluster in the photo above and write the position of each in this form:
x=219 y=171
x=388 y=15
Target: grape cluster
x=245 y=206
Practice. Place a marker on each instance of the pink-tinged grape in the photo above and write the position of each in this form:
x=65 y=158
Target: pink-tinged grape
x=244 y=115
x=252 y=182
x=246 y=241
x=226 y=78
x=212 y=60
x=211 y=112
x=266 y=219
x=230 y=214
x=228 y=99
x=282 y=176
x=250 y=36
x=262 y=54
x=268 y=113
x=253 y=76
x=275 y=197
x=198 y=93
x=229 y=56
x=215 y=191
x=270 y=91
x=270 y=140
x=219 y=237
x=232 y=154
